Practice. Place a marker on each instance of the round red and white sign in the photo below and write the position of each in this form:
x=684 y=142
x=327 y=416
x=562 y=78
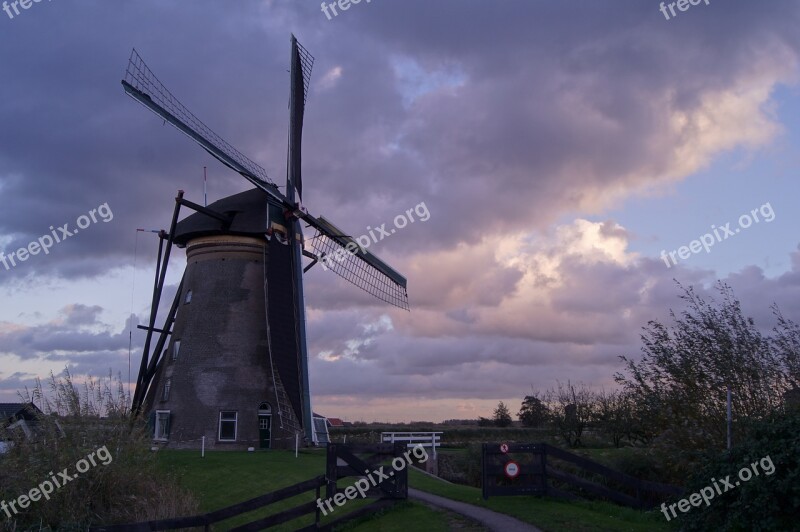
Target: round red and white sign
x=511 y=469
x=503 y=447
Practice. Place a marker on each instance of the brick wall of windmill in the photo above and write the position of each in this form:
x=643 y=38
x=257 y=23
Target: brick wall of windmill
x=223 y=362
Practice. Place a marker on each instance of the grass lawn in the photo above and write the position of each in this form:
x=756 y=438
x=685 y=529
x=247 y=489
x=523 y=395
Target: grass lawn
x=609 y=455
x=225 y=478
x=547 y=513
x=412 y=515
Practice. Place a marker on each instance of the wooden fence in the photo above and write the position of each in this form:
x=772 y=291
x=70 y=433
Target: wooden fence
x=539 y=466
x=343 y=461
x=412 y=439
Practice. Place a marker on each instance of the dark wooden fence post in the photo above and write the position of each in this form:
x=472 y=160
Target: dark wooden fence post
x=484 y=487
x=316 y=514
x=331 y=470
x=543 y=458
x=401 y=484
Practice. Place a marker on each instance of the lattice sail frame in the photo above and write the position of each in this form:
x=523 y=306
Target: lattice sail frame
x=307 y=64
x=363 y=269
x=336 y=257
x=141 y=78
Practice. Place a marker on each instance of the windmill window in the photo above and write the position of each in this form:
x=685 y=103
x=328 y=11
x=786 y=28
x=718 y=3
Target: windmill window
x=161 y=432
x=228 y=421
x=176 y=347
x=188 y=298
x=167 y=386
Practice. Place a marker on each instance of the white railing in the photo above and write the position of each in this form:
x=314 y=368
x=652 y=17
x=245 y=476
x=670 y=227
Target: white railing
x=413 y=439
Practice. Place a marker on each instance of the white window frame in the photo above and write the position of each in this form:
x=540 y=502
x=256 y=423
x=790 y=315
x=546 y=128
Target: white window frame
x=235 y=421
x=188 y=298
x=176 y=347
x=167 y=389
x=162 y=436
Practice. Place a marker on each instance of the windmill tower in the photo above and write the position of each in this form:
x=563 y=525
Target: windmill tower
x=230 y=363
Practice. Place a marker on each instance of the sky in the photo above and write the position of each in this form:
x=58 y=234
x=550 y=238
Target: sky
x=563 y=149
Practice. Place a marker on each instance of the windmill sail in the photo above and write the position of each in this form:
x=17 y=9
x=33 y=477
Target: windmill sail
x=362 y=268
x=342 y=255
x=302 y=63
x=300 y=75
x=143 y=86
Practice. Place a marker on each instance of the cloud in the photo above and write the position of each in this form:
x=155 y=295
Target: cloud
x=330 y=78
x=519 y=125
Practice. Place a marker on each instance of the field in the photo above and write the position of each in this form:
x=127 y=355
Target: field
x=224 y=478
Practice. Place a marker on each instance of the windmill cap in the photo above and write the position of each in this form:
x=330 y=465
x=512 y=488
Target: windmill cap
x=248 y=210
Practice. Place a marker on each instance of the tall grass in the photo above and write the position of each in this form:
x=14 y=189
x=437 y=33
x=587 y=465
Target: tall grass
x=77 y=420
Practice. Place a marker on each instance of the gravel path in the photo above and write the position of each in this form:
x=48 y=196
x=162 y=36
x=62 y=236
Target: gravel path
x=492 y=520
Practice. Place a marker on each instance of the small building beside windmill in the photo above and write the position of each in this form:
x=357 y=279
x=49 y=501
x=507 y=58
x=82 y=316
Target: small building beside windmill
x=230 y=377
x=20 y=418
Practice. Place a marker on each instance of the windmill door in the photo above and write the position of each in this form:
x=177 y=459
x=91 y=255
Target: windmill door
x=264 y=425
x=264 y=431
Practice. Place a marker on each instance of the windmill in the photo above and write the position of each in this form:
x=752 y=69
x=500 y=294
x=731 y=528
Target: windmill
x=232 y=351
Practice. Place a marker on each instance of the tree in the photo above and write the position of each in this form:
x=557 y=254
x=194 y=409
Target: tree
x=614 y=416
x=786 y=343
x=572 y=409
x=686 y=367
x=534 y=412
x=485 y=422
x=502 y=417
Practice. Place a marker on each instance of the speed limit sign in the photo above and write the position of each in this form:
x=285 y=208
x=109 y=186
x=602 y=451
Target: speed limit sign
x=503 y=448
x=511 y=469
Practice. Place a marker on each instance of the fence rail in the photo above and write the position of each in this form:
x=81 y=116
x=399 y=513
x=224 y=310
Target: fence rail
x=413 y=439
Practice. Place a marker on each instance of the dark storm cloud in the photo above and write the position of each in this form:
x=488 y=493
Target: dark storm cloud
x=70 y=140
x=73 y=334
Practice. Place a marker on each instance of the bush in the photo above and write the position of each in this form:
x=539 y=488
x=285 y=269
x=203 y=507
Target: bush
x=765 y=502
x=639 y=463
